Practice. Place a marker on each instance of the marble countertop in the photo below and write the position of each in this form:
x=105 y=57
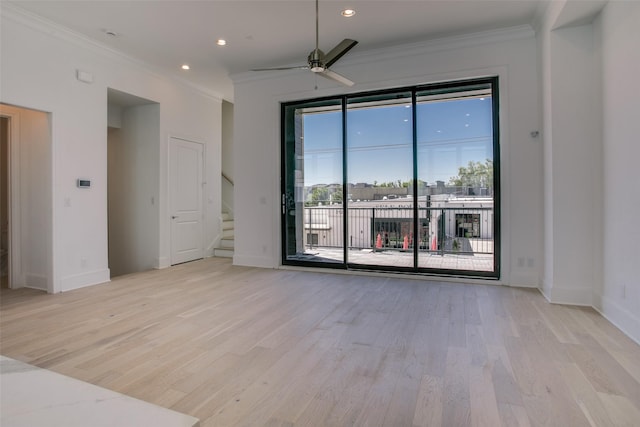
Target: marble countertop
x=35 y=397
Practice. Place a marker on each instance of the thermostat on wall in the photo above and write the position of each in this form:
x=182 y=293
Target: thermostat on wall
x=84 y=183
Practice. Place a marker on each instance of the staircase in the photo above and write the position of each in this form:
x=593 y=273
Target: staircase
x=225 y=247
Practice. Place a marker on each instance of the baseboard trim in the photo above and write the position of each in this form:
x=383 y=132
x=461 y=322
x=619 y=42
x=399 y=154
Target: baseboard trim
x=209 y=250
x=572 y=296
x=253 y=261
x=621 y=318
x=82 y=280
x=568 y=296
x=523 y=281
x=162 y=262
x=36 y=281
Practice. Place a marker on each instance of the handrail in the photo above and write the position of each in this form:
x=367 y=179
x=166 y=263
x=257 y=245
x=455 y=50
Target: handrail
x=227 y=178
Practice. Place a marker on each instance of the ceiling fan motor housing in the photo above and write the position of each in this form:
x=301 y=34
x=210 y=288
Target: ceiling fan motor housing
x=315 y=60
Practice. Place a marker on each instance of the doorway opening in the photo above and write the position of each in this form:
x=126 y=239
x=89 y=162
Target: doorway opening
x=26 y=254
x=133 y=170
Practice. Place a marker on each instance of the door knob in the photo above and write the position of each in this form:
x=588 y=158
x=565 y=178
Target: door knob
x=174 y=216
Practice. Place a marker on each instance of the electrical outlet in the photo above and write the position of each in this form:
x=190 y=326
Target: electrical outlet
x=83 y=262
x=520 y=262
x=531 y=262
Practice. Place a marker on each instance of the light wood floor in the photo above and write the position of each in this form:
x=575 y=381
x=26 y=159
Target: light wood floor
x=252 y=347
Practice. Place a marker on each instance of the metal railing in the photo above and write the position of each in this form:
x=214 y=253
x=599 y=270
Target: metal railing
x=441 y=230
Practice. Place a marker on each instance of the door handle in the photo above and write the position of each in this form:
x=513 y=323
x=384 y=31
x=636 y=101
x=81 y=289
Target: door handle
x=174 y=216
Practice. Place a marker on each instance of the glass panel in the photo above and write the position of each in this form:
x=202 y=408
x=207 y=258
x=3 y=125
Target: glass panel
x=313 y=196
x=455 y=178
x=379 y=174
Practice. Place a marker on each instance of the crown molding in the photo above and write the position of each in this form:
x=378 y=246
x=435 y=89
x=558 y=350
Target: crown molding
x=35 y=22
x=447 y=43
x=391 y=52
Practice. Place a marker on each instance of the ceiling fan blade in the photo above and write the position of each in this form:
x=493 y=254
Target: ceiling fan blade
x=318 y=62
x=297 y=67
x=337 y=52
x=331 y=75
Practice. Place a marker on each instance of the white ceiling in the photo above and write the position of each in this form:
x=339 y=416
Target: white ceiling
x=263 y=33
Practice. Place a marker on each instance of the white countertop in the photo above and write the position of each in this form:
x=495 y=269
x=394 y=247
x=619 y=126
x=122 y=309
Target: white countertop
x=34 y=397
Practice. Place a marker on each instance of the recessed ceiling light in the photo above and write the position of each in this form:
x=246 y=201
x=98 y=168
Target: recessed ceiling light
x=185 y=67
x=348 y=13
x=221 y=42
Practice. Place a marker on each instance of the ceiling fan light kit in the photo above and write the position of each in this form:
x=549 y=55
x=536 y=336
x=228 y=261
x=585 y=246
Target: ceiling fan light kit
x=319 y=62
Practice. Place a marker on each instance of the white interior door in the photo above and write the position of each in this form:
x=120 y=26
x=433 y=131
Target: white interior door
x=185 y=187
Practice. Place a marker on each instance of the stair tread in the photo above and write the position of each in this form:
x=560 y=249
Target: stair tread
x=229 y=244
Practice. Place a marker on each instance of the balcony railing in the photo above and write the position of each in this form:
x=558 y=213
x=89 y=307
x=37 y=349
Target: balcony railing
x=441 y=230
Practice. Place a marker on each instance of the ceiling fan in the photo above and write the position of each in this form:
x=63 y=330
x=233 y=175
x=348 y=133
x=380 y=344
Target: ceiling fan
x=319 y=62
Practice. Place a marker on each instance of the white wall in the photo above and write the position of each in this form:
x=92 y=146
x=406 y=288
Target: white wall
x=510 y=54
x=38 y=70
x=114 y=115
x=31 y=198
x=618 y=296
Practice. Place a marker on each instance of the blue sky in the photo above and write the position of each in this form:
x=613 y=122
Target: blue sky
x=379 y=141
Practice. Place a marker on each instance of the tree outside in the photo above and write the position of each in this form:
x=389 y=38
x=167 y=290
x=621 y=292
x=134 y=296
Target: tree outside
x=325 y=196
x=475 y=174
x=319 y=195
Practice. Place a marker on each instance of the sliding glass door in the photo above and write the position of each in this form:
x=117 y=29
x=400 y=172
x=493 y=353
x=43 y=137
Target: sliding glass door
x=455 y=157
x=312 y=170
x=396 y=180
x=379 y=150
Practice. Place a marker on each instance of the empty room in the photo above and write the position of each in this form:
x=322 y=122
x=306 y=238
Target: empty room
x=319 y=212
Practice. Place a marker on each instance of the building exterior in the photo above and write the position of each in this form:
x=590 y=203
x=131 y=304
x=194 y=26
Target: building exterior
x=384 y=224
